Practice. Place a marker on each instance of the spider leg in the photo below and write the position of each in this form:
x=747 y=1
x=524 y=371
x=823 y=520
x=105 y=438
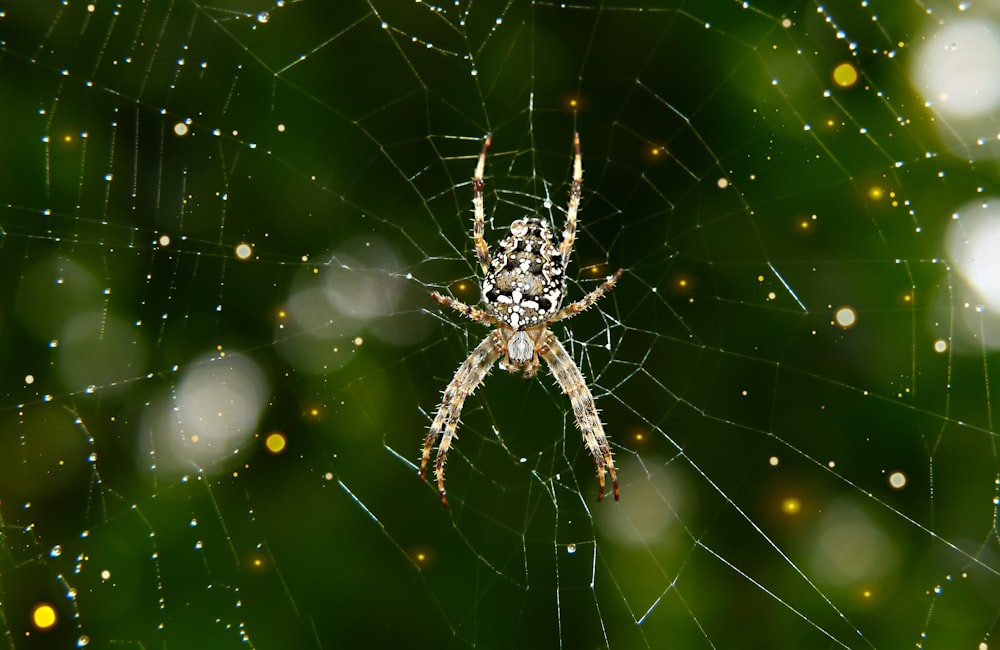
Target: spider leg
x=583 y=303
x=479 y=223
x=569 y=232
x=467 y=378
x=473 y=313
x=571 y=380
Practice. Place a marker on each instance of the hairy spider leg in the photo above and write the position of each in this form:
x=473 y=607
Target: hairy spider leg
x=569 y=231
x=572 y=382
x=479 y=220
x=575 y=308
x=467 y=378
x=472 y=313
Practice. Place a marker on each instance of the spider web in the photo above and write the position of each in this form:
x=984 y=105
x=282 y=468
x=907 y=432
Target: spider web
x=219 y=224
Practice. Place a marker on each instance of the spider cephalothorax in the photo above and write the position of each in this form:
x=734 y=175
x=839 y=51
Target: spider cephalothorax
x=523 y=288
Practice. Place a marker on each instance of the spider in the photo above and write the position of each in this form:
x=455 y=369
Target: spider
x=523 y=287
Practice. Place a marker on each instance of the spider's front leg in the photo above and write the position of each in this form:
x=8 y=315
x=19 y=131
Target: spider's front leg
x=467 y=378
x=479 y=210
x=472 y=313
x=575 y=190
x=583 y=303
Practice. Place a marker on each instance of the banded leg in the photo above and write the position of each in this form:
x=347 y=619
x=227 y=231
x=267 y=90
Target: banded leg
x=583 y=303
x=467 y=378
x=569 y=231
x=479 y=222
x=473 y=313
x=571 y=380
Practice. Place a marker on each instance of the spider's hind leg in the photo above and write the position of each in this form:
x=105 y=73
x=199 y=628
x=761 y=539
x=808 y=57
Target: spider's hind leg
x=467 y=378
x=572 y=382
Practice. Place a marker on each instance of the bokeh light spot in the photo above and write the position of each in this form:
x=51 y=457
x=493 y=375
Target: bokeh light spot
x=275 y=442
x=791 y=506
x=957 y=68
x=846 y=317
x=43 y=616
x=211 y=413
x=845 y=75
x=973 y=243
x=851 y=547
x=243 y=251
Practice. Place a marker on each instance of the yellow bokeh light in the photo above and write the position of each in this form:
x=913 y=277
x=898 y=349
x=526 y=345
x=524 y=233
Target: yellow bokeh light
x=876 y=193
x=845 y=75
x=275 y=442
x=43 y=616
x=791 y=506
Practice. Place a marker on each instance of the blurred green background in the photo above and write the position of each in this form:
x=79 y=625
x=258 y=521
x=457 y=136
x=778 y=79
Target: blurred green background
x=220 y=223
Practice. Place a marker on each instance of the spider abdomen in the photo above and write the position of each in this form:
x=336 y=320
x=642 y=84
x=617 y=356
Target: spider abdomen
x=525 y=283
